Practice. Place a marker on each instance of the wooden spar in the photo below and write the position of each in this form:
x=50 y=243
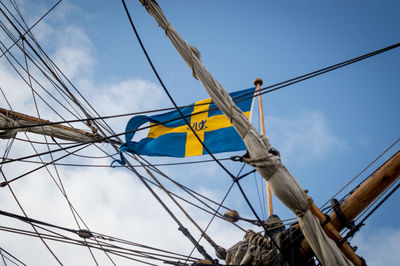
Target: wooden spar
x=258 y=83
x=368 y=191
x=335 y=236
x=362 y=197
x=38 y=122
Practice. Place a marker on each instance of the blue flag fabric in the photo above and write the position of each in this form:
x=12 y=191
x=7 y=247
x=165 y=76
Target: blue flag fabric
x=169 y=135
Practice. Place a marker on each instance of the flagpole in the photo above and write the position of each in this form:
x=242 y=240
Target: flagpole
x=258 y=83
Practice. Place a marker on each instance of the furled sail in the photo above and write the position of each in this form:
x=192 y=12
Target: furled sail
x=268 y=164
x=18 y=122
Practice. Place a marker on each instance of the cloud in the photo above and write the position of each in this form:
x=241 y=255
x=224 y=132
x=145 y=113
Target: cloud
x=307 y=135
x=110 y=201
x=380 y=247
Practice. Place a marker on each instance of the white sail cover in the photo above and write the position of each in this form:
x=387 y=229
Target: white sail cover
x=283 y=184
x=26 y=126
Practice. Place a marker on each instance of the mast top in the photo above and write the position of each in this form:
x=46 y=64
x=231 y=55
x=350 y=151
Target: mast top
x=258 y=81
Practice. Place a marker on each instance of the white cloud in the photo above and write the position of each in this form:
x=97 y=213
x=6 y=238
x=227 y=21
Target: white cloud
x=380 y=247
x=110 y=201
x=306 y=137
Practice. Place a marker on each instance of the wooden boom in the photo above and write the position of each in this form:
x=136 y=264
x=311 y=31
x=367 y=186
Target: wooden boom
x=359 y=200
x=42 y=126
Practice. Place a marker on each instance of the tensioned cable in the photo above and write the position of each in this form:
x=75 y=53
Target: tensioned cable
x=40 y=85
x=183 y=117
x=43 y=61
x=89 y=234
x=40 y=68
x=6 y=153
x=29 y=29
x=380 y=203
x=135 y=165
x=46 y=66
x=3 y=184
x=61 y=186
x=9 y=254
x=361 y=172
x=112 y=249
x=377 y=199
x=219 y=206
x=167 y=92
x=292 y=81
x=39 y=57
x=263 y=90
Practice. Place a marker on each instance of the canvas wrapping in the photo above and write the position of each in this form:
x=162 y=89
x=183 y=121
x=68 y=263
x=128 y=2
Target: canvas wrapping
x=51 y=131
x=282 y=183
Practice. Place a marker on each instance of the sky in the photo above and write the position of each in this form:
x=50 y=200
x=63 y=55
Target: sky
x=327 y=129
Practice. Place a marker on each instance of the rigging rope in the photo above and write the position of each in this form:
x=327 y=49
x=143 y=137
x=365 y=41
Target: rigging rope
x=183 y=117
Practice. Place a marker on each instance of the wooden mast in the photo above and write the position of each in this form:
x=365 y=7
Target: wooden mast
x=258 y=83
x=359 y=199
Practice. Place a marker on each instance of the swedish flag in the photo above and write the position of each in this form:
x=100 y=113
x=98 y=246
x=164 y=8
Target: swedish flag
x=169 y=135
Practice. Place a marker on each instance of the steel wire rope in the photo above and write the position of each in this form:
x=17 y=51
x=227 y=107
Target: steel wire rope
x=122 y=241
x=74 y=145
x=361 y=223
x=187 y=189
x=67 y=240
x=40 y=19
x=9 y=254
x=222 y=201
x=181 y=198
x=50 y=154
x=189 y=217
x=63 y=192
x=42 y=87
x=2 y=256
x=112 y=239
x=44 y=101
x=261 y=180
x=23 y=211
x=5 y=155
x=182 y=116
x=3 y=184
x=262 y=209
x=265 y=89
x=17 y=30
x=6 y=258
x=61 y=185
x=72 y=97
x=119 y=166
x=167 y=92
x=359 y=174
x=56 y=70
x=295 y=80
x=87 y=156
x=30 y=34
x=378 y=198
x=181 y=227
x=330 y=207
x=170 y=193
x=41 y=70
x=100 y=243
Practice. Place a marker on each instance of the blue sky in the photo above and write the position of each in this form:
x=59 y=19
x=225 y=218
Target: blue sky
x=327 y=128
